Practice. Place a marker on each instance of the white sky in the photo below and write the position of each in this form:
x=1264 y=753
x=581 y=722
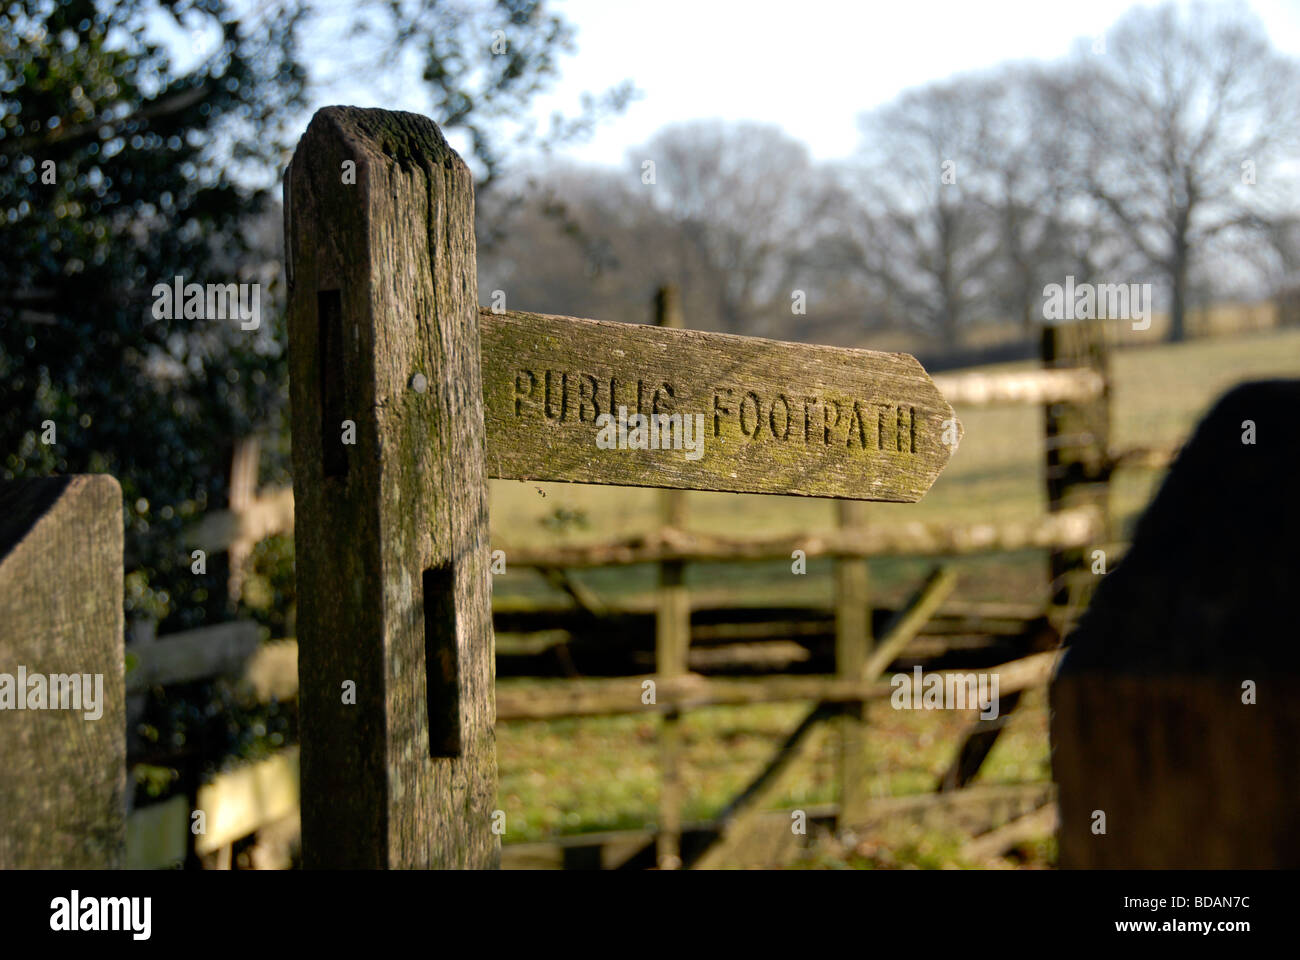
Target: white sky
x=810 y=66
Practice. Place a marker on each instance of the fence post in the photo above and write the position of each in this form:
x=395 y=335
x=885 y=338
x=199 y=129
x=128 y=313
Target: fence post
x=1078 y=466
x=672 y=641
x=394 y=620
x=63 y=755
x=852 y=647
x=244 y=462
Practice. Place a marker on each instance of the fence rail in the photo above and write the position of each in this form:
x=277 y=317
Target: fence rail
x=1021 y=387
x=1072 y=528
x=1068 y=528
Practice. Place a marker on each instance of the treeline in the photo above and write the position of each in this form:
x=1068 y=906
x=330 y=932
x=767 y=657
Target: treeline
x=1160 y=152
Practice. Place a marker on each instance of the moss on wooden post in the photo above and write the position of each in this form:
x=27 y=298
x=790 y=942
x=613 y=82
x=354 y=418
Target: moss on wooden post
x=63 y=754
x=394 y=610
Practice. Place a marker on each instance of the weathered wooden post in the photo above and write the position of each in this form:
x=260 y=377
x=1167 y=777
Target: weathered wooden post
x=852 y=647
x=404 y=400
x=394 y=622
x=62 y=694
x=1078 y=457
x=672 y=640
x=1174 y=717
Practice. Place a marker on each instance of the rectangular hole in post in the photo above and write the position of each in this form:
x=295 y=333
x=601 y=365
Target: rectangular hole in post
x=329 y=315
x=442 y=661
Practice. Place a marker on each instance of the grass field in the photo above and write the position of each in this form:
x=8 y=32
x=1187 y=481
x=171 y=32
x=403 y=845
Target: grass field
x=583 y=775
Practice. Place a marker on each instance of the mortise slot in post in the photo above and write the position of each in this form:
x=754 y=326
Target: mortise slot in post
x=329 y=315
x=442 y=661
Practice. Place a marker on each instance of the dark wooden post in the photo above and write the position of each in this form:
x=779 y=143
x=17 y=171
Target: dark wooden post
x=394 y=622
x=62 y=771
x=852 y=647
x=1078 y=459
x=672 y=640
x=1174 y=719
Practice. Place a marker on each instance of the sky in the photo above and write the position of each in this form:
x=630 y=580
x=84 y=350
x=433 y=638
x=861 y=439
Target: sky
x=810 y=66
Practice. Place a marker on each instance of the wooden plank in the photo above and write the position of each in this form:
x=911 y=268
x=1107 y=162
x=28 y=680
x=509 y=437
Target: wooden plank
x=520 y=614
x=672 y=639
x=1021 y=386
x=193 y=655
x=599 y=698
x=1068 y=528
x=62 y=771
x=392 y=531
x=241 y=801
x=784 y=418
x=907 y=623
x=595 y=698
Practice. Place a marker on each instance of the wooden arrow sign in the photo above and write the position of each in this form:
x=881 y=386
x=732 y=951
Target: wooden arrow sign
x=588 y=401
x=405 y=397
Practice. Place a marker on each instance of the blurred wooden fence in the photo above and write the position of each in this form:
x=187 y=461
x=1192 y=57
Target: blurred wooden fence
x=1074 y=390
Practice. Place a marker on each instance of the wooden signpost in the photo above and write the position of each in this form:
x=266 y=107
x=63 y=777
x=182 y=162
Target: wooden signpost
x=406 y=397
x=789 y=418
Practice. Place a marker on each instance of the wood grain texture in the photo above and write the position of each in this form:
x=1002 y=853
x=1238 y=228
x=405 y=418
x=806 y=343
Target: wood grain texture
x=1151 y=722
x=62 y=774
x=778 y=417
x=1187 y=775
x=392 y=563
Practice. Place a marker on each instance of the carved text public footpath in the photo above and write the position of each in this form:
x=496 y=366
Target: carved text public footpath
x=779 y=417
x=565 y=396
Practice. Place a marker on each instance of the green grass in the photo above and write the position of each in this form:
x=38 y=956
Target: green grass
x=577 y=776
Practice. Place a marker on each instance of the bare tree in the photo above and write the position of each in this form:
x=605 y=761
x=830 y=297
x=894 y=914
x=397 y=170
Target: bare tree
x=924 y=234
x=1178 y=118
x=746 y=203
x=575 y=240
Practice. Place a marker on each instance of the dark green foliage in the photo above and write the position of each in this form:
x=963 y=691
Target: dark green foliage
x=483 y=65
x=144 y=157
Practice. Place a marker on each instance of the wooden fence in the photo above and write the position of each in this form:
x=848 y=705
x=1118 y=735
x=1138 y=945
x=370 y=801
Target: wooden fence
x=1072 y=386
x=1073 y=389
x=398 y=764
